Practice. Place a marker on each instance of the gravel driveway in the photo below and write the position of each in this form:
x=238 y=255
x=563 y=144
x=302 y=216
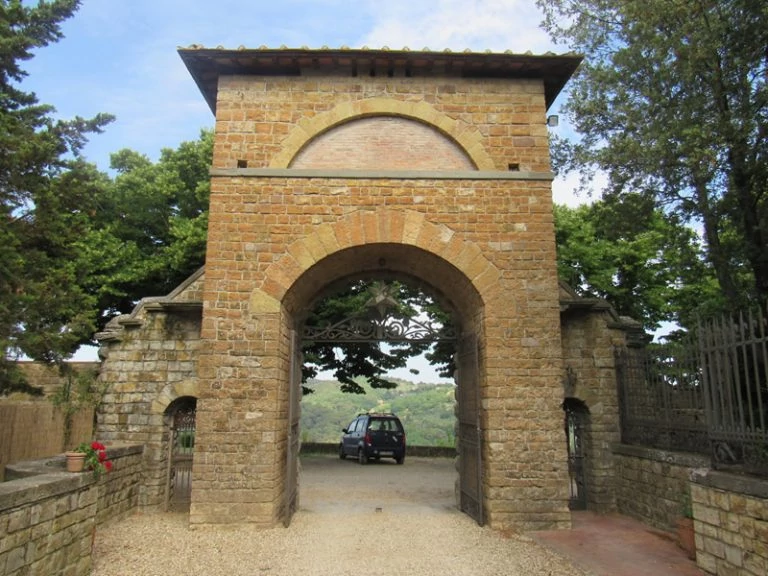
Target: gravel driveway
x=378 y=519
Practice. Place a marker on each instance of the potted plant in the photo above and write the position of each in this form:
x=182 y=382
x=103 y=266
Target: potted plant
x=685 y=532
x=89 y=456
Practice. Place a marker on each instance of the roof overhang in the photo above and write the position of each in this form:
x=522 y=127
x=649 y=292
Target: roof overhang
x=206 y=65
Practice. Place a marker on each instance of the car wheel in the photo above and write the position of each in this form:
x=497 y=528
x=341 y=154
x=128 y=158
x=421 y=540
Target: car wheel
x=341 y=452
x=362 y=457
x=400 y=459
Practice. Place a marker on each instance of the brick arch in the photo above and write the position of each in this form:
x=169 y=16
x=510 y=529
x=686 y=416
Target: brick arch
x=382 y=227
x=172 y=392
x=467 y=138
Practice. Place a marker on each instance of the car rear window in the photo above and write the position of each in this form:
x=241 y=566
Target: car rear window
x=386 y=424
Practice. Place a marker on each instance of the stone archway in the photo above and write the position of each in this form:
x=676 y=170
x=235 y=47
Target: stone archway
x=310 y=128
x=180 y=421
x=455 y=293
x=482 y=237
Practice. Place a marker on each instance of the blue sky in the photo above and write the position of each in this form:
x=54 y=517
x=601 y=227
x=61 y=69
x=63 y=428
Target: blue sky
x=120 y=56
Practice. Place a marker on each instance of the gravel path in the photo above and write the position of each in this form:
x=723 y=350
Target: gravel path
x=391 y=520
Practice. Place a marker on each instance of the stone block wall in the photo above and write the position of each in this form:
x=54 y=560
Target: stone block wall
x=589 y=336
x=277 y=236
x=151 y=359
x=265 y=121
x=731 y=522
x=730 y=511
x=47 y=529
x=652 y=484
x=48 y=516
x=118 y=491
x=47 y=377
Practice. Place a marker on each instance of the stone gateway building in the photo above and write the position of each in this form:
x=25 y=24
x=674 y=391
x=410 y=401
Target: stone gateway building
x=331 y=165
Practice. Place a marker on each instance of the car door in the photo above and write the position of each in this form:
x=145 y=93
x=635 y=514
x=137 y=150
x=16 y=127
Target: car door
x=349 y=440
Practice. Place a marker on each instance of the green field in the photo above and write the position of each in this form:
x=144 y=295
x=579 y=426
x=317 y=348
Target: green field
x=426 y=410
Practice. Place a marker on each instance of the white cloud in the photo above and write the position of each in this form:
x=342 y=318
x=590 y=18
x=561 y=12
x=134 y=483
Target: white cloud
x=496 y=25
x=565 y=189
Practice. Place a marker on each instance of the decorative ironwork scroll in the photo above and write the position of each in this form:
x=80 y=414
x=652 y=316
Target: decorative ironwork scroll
x=377 y=323
x=379 y=329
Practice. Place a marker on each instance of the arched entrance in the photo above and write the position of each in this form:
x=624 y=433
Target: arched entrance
x=377 y=323
x=180 y=418
x=576 y=425
x=455 y=294
x=437 y=170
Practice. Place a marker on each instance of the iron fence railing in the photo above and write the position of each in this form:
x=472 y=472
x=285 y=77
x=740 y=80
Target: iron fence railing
x=734 y=357
x=661 y=398
x=706 y=394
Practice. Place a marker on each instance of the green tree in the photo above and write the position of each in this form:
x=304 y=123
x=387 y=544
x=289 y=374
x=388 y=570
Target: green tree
x=149 y=232
x=644 y=262
x=671 y=102
x=365 y=299
x=47 y=195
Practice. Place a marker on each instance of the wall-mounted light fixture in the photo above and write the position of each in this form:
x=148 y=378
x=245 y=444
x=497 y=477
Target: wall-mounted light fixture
x=553 y=121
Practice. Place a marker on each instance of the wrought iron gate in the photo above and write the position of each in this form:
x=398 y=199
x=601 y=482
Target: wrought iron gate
x=294 y=413
x=378 y=325
x=470 y=435
x=575 y=416
x=178 y=493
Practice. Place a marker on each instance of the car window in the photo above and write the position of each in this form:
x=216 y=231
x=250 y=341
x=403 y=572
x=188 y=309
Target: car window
x=386 y=424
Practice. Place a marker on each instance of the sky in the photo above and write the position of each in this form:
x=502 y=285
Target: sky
x=120 y=56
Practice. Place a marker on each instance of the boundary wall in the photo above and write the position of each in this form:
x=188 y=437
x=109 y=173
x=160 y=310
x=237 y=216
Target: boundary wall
x=48 y=516
x=730 y=511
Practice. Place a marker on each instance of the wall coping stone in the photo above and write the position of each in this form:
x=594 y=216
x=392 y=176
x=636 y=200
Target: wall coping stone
x=35 y=480
x=380 y=174
x=677 y=458
x=746 y=485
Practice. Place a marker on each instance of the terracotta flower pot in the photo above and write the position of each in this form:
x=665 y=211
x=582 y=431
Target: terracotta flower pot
x=75 y=461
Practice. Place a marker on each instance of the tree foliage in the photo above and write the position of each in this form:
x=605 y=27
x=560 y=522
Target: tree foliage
x=47 y=195
x=671 y=103
x=426 y=411
x=643 y=261
x=371 y=360
x=149 y=231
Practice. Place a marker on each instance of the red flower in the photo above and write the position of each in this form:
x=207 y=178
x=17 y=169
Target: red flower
x=108 y=465
x=98 y=446
x=102 y=455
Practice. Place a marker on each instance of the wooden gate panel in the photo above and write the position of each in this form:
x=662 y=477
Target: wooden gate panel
x=294 y=413
x=470 y=434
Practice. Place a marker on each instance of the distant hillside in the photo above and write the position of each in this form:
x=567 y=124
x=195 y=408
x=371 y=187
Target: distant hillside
x=426 y=410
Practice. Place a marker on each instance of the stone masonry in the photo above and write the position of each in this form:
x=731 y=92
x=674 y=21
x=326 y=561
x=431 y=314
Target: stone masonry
x=730 y=515
x=328 y=165
x=48 y=516
x=482 y=238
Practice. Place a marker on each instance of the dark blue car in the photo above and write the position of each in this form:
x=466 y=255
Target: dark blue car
x=373 y=436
